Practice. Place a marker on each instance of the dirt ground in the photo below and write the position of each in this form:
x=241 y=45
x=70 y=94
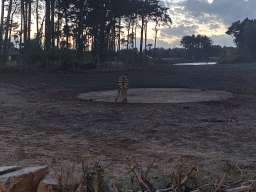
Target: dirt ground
x=42 y=120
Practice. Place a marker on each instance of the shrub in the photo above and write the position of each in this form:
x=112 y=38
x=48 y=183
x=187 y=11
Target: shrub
x=233 y=55
x=31 y=54
x=132 y=58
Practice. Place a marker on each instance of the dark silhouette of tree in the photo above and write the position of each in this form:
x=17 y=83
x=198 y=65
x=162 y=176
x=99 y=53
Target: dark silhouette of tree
x=216 y=51
x=80 y=13
x=244 y=37
x=161 y=18
x=98 y=24
x=197 y=47
x=166 y=53
x=64 y=11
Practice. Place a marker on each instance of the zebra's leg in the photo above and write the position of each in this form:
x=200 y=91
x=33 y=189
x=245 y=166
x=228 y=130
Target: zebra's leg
x=125 y=96
x=117 y=95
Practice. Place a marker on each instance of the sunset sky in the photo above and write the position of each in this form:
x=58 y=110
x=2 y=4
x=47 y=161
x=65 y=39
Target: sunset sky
x=206 y=17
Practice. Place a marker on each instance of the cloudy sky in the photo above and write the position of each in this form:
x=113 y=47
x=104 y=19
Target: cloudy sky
x=205 y=17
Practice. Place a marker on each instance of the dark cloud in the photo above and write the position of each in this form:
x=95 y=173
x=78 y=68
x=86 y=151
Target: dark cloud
x=223 y=40
x=224 y=11
x=214 y=26
x=179 y=31
x=164 y=44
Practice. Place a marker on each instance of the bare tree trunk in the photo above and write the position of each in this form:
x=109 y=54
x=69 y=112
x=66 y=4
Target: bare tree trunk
x=47 y=32
x=47 y=26
x=1 y=28
x=25 y=16
x=29 y=20
x=135 y=35
x=119 y=35
x=21 y=21
x=80 y=31
x=58 y=27
x=128 y=36
x=141 y=37
x=40 y=30
x=51 y=31
x=146 y=25
x=101 y=53
x=92 y=45
x=52 y=23
x=37 y=20
x=67 y=34
x=6 y=32
x=10 y=30
x=114 y=39
x=155 y=42
x=132 y=34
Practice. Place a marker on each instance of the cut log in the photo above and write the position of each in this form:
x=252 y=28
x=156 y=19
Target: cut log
x=23 y=180
x=51 y=182
x=242 y=189
x=8 y=169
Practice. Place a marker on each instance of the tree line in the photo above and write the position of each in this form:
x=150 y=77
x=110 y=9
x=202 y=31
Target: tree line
x=215 y=51
x=194 y=47
x=197 y=47
x=244 y=34
x=100 y=26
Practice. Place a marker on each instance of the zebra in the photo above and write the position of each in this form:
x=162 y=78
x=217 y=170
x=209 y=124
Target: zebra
x=123 y=84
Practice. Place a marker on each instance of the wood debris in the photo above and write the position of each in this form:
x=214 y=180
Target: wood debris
x=147 y=186
x=181 y=180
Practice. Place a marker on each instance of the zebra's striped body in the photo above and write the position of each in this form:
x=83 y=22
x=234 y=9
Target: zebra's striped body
x=123 y=84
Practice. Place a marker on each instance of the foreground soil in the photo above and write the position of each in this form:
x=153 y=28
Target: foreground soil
x=43 y=120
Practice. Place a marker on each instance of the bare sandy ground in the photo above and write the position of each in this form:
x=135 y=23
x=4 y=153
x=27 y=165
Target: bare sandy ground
x=43 y=120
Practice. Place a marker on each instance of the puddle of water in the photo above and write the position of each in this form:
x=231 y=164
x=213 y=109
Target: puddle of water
x=203 y=63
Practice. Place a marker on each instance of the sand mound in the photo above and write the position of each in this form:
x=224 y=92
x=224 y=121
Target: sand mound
x=158 y=95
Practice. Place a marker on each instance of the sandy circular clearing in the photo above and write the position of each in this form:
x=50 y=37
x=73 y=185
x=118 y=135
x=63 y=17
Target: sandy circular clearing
x=157 y=95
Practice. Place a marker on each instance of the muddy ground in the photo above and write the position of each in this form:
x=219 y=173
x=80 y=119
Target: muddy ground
x=43 y=120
